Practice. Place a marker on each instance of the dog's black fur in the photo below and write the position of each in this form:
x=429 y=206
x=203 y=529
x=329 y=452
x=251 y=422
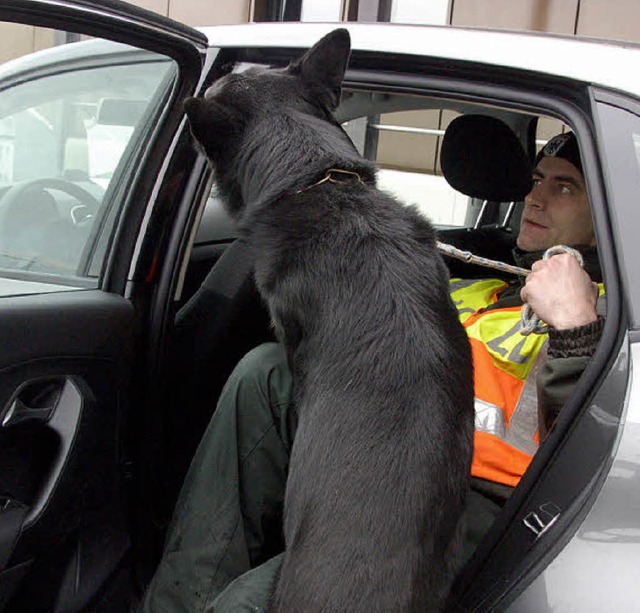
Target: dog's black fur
x=382 y=369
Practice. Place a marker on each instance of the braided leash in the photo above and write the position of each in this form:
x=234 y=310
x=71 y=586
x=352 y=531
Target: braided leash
x=529 y=321
x=467 y=256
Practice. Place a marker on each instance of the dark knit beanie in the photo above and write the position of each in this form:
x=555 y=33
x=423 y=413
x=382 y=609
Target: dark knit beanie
x=562 y=146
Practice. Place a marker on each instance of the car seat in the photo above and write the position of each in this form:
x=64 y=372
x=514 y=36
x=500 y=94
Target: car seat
x=225 y=317
x=222 y=321
x=482 y=158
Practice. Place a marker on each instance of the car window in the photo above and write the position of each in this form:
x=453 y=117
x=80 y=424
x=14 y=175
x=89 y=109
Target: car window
x=406 y=146
x=620 y=127
x=403 y=134
x=67 y=117
x=409 y=168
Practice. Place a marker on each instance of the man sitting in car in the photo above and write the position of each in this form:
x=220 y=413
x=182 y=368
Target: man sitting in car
x=228 y=518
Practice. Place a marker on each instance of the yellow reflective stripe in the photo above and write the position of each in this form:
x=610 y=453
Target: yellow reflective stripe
x=499 y=331
x=471 y=295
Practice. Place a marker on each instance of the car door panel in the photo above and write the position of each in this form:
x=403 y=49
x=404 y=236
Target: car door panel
x=67 y=357
x=62 y=386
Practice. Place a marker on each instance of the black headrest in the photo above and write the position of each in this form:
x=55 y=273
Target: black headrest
x=482 y=158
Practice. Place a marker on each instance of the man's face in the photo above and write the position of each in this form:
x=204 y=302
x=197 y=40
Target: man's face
x=557 y=209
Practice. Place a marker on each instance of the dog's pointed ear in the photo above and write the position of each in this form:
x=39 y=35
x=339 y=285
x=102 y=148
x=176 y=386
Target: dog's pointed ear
x=209 y=118
x=322 y=67
x=201 y=116
x=197 y=111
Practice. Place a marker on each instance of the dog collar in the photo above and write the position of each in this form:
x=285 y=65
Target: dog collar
x=331 y=177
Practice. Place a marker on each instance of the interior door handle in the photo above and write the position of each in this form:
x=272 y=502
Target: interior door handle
x=34 y=400
x=56 y=402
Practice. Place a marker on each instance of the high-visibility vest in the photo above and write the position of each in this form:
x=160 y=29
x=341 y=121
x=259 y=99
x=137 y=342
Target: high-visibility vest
x=506 y=420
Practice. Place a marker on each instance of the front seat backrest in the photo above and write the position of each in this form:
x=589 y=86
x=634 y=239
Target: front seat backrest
x=482 y=158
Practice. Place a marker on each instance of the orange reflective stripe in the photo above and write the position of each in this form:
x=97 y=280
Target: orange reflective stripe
x=495 y=460
x=492 y=384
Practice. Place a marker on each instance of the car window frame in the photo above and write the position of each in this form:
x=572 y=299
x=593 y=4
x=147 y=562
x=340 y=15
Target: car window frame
x=620 y=111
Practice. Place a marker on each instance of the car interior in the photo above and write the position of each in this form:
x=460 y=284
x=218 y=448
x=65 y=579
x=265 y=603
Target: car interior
x=483 y=154
x=480 y=154
x=462 y=160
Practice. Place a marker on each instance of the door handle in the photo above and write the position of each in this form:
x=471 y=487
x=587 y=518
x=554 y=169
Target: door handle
x=34 y=400
x=57 y=403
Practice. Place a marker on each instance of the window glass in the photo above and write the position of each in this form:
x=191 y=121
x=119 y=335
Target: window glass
x=406 y=146
x=408 y=154
x=69 y=117
x=403 y=134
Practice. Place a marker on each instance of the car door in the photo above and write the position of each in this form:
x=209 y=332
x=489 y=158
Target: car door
x=93 y=163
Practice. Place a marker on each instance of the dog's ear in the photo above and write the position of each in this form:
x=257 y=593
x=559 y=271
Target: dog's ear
x=211 y=121
x=322 y=67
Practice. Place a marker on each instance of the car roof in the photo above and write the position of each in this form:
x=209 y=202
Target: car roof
x=606 y=63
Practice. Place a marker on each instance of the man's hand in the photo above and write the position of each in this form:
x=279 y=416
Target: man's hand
x=561 y=293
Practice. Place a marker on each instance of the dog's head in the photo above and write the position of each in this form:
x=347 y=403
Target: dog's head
x=236 y=102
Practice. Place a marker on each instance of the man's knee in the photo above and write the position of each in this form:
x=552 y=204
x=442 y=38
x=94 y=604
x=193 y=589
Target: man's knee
x=258 y=363
x=261 y=380
x=264 y=370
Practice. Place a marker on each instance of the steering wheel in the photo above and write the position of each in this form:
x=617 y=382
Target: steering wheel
x=16 y=193
x=28 y=210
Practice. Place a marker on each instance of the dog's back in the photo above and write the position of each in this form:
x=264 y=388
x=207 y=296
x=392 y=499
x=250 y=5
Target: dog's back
x=381 y=458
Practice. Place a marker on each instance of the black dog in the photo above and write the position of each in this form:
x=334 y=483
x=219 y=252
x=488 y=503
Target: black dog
x=382 y=369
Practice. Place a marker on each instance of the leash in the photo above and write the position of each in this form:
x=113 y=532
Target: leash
x=529 y=321
x=467 y=256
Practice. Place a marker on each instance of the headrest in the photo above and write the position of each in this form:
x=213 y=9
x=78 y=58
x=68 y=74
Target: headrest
x=482 y=158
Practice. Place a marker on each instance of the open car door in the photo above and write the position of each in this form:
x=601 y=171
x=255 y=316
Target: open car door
x=89 y=125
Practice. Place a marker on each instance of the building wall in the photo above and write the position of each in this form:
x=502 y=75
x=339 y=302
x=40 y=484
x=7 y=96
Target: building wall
x=612 y=19
x=540 y=15
x=17 y=40
x=619 y=19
